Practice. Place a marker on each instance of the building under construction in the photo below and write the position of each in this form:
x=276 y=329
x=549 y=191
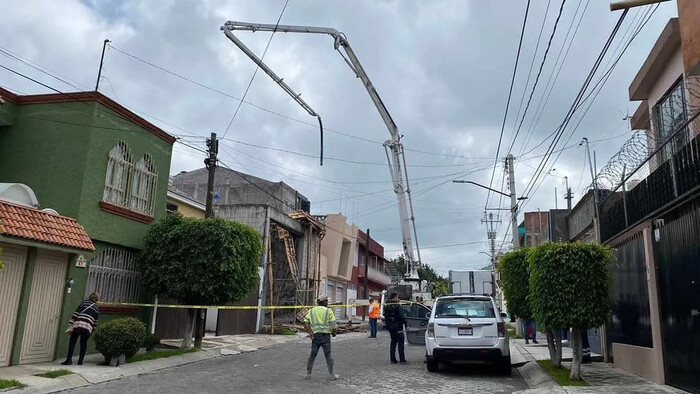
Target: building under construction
x=289 y=267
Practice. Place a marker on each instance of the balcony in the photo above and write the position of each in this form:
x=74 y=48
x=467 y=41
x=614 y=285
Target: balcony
x=375 y=273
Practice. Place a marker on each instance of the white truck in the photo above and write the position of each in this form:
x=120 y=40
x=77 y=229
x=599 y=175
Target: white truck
x=470 y=282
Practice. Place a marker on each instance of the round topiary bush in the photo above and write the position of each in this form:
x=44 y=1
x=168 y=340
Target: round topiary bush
x=121 y=336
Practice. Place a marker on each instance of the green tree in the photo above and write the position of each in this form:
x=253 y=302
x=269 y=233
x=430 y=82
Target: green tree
x=200 y=262
x=514 y=268
x=570 y=286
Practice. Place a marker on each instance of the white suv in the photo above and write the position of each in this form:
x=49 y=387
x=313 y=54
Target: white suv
x=466 y=328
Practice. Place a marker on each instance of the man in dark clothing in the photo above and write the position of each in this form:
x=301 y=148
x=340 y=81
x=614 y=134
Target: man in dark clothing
x=82 y=323
x=395 y=323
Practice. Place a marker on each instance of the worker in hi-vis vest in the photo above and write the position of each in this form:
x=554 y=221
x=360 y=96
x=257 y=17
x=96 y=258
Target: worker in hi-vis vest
x=373 y=316
x=320 y=324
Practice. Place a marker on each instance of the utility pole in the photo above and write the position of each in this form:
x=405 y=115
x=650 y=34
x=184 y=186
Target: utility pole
x=491 y=234
x=513 y=200
x=569 y=196
x=366 y=273
x=102 y=60
x=210 y=163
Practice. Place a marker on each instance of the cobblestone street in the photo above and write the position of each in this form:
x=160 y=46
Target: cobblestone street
x=362 y=363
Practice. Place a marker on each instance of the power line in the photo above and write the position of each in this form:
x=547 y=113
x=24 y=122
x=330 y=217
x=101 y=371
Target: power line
x=574 y=106
x=245 y=93
x=510 y=93
x=537 y=78
x=440 y=246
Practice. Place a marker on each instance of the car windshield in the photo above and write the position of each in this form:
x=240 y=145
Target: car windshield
x=460 y=307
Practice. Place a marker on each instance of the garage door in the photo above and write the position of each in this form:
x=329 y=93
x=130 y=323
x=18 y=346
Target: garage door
x=352 y=294
x=14 y=258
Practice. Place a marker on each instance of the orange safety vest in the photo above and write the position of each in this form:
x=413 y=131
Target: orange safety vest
x=375 y=311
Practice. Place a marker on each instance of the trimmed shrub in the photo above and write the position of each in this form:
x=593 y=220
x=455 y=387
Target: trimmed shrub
x=121 y=336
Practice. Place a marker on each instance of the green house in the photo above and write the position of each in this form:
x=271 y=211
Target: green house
x=88 y=158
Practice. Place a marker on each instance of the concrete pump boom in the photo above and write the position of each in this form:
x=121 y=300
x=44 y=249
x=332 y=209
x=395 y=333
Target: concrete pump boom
x=396 y=158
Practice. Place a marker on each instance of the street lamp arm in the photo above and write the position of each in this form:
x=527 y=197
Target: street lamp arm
x=482 y=186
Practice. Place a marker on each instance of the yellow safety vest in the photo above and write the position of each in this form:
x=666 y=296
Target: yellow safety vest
x=321 y=320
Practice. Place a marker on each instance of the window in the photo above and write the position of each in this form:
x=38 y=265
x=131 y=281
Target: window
x=463 y=307
x=127 y=185
x=669 y=117
x=113 y=274
x=143 y=184
x=170 y=208
x=116 y=180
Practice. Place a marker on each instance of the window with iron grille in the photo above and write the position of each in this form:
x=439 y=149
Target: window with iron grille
x=117 y=177
x=127 y=185
x=143 y=185
x=114 y=275
x=669 y=117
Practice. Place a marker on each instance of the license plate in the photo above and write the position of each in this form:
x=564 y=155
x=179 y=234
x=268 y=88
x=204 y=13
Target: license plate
x=465 y=331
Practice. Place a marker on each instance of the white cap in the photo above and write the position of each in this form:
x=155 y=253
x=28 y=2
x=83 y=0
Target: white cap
x=322 y=298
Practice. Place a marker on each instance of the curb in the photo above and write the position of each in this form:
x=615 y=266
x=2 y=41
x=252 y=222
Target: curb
x=535 y=376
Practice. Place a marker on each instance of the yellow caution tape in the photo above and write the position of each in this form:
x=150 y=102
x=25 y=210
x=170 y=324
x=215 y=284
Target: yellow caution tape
x=236 y=307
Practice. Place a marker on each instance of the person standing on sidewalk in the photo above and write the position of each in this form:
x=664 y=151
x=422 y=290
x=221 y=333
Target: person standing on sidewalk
x=530 y=331
x=395 y=323
x=82 y=323
x=320 y=324
x=373 y=316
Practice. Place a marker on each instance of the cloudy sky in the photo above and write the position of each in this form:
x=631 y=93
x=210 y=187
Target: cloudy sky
x=443 y=68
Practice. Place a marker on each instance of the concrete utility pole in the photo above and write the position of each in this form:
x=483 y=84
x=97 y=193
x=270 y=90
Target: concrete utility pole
x=491 y=234
x=569 y=196
x=210 y=163
x=513 y=201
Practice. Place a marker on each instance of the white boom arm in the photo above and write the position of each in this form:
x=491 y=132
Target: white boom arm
x=396 y=158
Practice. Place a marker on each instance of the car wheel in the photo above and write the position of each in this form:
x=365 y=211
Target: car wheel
x=503 y=366
x=433 y=365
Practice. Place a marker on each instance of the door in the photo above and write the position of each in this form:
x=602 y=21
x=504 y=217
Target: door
x=352 y=294
x=417 y=316
x=14 y=258
x=339 y=298
x=44 y=313
x=677 y=247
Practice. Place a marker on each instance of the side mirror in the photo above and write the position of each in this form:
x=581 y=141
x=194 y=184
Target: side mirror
x=504 y=314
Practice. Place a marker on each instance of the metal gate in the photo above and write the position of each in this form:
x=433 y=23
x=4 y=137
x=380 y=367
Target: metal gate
x=238 y=321
x=677 y=249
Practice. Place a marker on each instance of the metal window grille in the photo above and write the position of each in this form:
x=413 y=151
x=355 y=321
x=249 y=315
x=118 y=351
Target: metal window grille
x=669 y=116
x=118 y=171
x=128 y=185
x=114 y=275
x=143 y=185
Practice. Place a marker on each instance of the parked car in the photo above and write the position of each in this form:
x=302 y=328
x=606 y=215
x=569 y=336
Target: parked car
x=465 y=328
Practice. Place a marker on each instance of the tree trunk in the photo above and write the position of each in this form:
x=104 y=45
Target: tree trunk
x=551 y=345
x=187 y=340
x=199 y=328
x=576 y=348
x=556 y=361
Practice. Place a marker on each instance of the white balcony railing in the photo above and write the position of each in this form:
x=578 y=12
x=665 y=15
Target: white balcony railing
x=375 y=273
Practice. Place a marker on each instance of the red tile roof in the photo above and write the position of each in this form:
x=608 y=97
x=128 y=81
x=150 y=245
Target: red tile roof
x=33 y=224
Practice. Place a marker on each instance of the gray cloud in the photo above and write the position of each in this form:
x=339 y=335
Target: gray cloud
x=442 y=68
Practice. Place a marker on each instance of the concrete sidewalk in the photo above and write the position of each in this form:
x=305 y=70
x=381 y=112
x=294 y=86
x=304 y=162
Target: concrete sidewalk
x=92 y=373
x=601 y=377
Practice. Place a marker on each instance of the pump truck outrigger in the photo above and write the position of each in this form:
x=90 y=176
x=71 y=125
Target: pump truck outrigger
x=396 y=159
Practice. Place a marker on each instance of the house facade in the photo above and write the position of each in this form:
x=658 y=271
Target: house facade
x=369 y=270
x=652 y=217
x=90 y=159
x=338 y=256
x=41 y=252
